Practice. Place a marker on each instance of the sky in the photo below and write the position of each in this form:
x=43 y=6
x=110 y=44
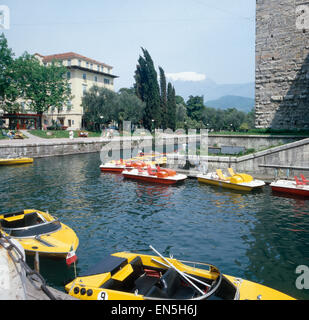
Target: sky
x=191 y=40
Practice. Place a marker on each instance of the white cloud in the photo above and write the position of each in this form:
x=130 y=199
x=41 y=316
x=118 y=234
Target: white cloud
x=186 y=76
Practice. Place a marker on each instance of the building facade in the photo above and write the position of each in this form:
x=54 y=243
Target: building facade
x=282 y=64
x=82 y=74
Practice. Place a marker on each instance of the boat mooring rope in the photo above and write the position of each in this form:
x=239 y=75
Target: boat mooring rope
x=17 y=256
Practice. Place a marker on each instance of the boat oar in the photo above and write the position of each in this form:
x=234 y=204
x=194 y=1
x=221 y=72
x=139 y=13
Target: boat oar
x=188 y=275
x=181 y=273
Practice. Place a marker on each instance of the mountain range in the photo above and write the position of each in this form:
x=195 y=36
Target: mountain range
x=240 y=103
x=240 y=96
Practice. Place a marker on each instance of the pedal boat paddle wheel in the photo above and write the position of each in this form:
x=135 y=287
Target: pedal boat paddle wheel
x=237 y=181
x=132 y=276
x=38 y=231
x=154 y=175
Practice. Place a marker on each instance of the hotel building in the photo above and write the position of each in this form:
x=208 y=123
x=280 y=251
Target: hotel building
x=82 y=74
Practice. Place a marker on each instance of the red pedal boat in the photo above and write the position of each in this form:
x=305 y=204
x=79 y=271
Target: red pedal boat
x=158 y=175
x=298 y=187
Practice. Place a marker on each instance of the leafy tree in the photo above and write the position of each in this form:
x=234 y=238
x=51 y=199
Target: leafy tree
x=195 y=107
x=233 y=119
x=103 y=106
x=9 y=91
x=250 y=119
x=181 y=112
x=98 y=104
x=147 y=89
x=42 y=87
x=128 y=107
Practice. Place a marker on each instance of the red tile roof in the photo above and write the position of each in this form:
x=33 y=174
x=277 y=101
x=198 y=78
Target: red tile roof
x=70 y=55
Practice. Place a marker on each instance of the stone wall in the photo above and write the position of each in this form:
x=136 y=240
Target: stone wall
x=285 y=161
x=257 y=142
x=282 y=64
x=68 y=147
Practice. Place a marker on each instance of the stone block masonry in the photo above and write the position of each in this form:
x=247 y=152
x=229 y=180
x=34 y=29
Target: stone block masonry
x=282 y=64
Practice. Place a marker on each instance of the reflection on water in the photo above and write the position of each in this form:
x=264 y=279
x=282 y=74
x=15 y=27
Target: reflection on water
x=259 y=235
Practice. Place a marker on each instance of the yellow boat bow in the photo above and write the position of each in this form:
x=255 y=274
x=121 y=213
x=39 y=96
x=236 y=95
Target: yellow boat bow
x=38 y=231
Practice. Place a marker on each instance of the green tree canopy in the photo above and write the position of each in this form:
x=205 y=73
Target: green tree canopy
x=163 y=99
x=171 y=107
x=128 y=107
x=147 y=89
x=195 y=107
x=99 y=104
x=9 y=91
x=42 y=86
x=103 y=106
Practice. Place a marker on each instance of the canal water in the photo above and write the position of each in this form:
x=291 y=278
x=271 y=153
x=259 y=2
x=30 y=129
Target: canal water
x=258 y=236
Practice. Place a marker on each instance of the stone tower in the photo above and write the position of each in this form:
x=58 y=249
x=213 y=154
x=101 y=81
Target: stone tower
x=282 y=64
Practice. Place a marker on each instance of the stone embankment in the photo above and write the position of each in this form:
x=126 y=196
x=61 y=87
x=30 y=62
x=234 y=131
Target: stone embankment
x=283 y=161
x=289 y=156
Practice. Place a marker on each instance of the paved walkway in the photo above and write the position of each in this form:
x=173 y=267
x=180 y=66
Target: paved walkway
x=32 y=139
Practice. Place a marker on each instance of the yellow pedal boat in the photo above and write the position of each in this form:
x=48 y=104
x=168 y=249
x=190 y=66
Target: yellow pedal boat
x=38 y=231
x=132 y=276
x=237 y=181
x=14 y=161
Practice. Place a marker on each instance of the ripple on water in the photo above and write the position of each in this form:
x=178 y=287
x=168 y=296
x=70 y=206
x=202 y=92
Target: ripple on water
x=259 y=236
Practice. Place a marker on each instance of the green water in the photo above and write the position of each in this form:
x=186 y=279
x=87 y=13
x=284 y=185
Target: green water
x=257 y=236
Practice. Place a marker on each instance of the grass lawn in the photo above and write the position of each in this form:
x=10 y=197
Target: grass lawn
x=52 y=134
x=2 y=137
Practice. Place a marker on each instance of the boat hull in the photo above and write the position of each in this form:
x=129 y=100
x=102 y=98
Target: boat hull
x=154 y=179
x=289 y=187
x=111 y=169
x=5 y=162
x=227 y=185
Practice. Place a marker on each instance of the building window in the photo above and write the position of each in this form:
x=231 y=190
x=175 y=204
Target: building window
x=98 y=68
x=95 y=78
x=91 y=65
x=106 y=81
x=84 y=76
x=69 y=105
x=68 y=75
x=87 y=64
x=102 y=68
x=69 y=62
x=84 y=89
x=79 y=63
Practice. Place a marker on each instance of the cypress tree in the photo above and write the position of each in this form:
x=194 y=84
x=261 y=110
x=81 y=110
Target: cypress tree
x=171 y=107
x=147 y=89
x=163 y=99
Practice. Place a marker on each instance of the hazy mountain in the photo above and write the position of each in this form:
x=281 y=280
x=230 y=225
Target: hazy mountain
x=241 y=103
x=211 y=90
